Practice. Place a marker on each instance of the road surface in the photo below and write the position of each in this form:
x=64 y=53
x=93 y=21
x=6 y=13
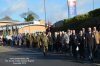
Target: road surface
x=11 y=56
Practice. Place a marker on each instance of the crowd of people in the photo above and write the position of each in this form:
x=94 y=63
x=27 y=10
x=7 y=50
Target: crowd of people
x=81 y=43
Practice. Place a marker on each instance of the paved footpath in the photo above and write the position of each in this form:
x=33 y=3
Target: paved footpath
x=25 y=57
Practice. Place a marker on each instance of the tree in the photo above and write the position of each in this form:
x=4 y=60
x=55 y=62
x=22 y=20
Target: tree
x=29 y=16
x=89 y=19
x=95 y=13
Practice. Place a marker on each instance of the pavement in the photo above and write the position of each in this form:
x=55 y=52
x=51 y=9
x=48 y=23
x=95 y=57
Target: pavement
x=11 y=56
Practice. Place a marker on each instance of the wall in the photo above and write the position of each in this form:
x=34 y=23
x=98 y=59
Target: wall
x=32 y=29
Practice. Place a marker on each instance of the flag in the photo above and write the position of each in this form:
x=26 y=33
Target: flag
x=49 y=24
x=71 y=8
x=71 y=3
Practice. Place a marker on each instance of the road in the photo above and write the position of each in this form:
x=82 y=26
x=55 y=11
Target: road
x=11 y=56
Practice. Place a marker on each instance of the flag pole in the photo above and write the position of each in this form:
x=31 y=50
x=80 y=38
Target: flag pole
x=93 y=4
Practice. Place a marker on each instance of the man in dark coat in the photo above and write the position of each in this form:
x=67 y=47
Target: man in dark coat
x=90 y=44
x=54 y=41
x=73 y=39
x=50 y=40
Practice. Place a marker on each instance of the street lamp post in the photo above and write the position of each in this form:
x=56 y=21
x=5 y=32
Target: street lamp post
x=45 y=10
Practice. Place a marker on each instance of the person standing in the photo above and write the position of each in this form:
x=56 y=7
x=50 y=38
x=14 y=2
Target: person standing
x=99 y=38
x=54 y=41
x=90 y=43
x=96 y=41
x=28 y=40
x=45 y=44
x=13 y=40
x=69 y=32
x=58 y=42
x=39 y=40
x=9 y=38
x=19 y=40
x=50 y=40
x=73 y=39
x=66 y=42
x=31 y=40
x=35 y=42
x=81 y=43
x=83 y=31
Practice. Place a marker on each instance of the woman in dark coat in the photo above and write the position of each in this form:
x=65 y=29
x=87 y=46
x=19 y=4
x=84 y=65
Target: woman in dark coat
x=81 y=44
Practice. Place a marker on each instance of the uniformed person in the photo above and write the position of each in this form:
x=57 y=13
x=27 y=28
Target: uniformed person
x=28 y=40
x=45 y=44
x=39 y=40
x=24 y=40
x=31 y=40
x=35 y=42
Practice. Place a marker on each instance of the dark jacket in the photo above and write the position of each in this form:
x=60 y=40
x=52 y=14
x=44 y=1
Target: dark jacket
x=90 y=41
x=73 y=40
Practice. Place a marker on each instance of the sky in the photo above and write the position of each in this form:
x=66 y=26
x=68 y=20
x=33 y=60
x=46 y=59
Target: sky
x=55 y=9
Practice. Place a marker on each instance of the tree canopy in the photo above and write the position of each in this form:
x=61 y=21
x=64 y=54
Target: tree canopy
x=29 y=16
x=90 y=19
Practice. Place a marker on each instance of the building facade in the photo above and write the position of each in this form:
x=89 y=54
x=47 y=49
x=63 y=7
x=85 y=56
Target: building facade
x=7 y=25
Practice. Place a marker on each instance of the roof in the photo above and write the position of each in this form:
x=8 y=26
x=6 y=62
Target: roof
x=8 y=19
